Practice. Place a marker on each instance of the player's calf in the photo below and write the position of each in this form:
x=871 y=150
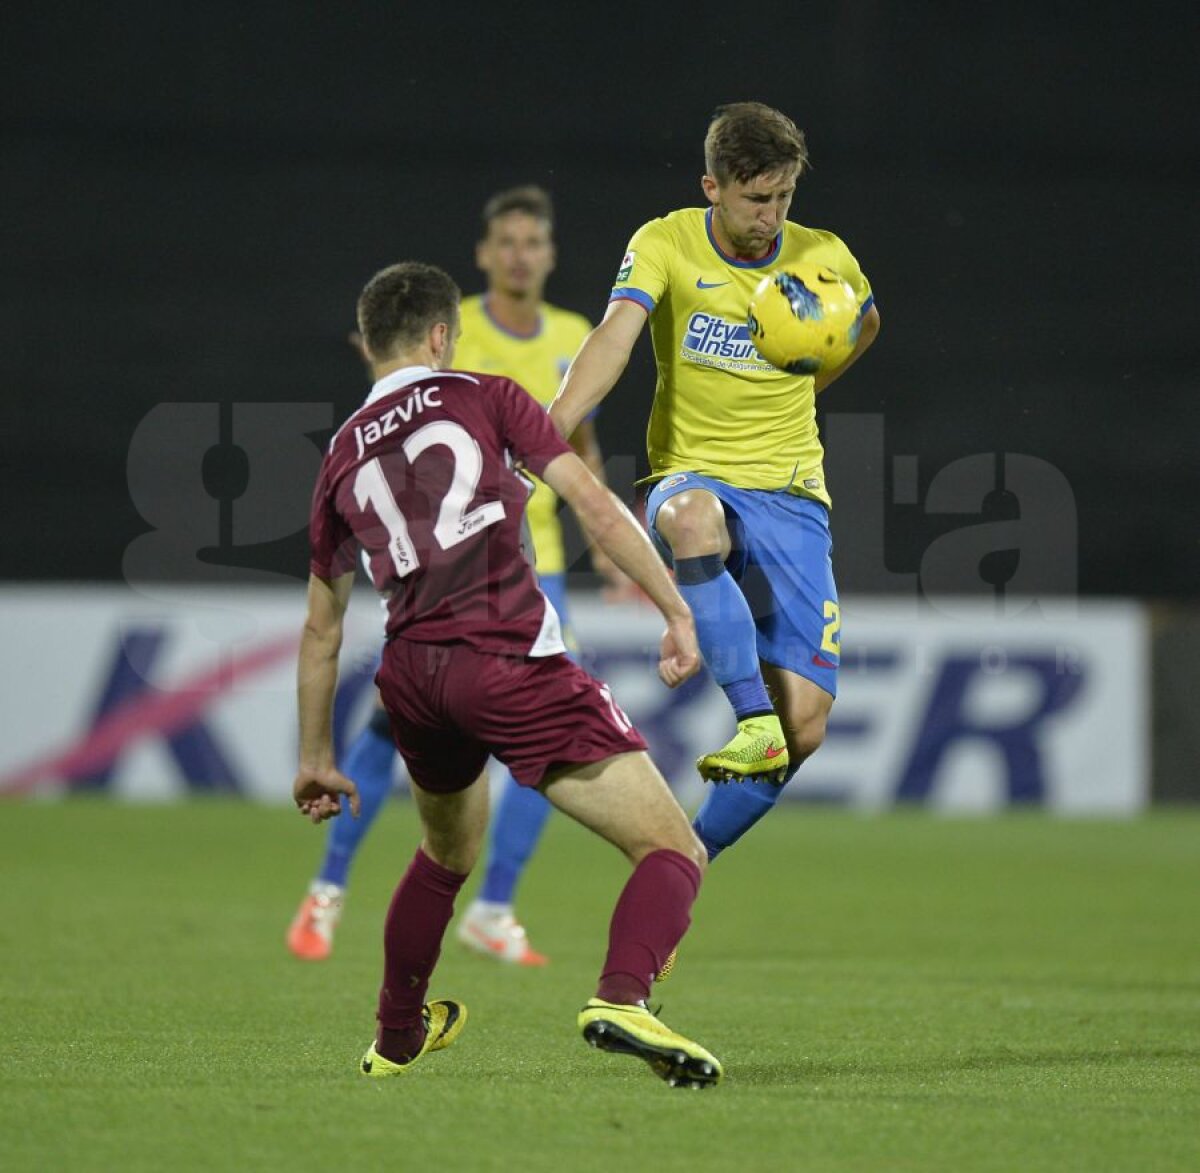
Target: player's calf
x=803 y=708
x=804 y=737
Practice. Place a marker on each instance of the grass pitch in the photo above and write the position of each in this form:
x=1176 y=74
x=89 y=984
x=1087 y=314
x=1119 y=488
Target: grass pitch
x=894 y=993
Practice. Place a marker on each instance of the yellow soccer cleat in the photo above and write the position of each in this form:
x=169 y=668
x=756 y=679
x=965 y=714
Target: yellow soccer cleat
x=633 y=1030
x=444 y=1021
x=757 y=753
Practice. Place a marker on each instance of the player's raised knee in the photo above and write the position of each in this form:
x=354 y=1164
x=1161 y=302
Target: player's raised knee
x=692 y=523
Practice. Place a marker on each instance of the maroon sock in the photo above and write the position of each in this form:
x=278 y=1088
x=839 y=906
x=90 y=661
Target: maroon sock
x=412 y=939
x=651 y=916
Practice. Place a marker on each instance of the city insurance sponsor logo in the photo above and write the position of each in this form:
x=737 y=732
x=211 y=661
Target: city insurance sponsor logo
x=716 y=341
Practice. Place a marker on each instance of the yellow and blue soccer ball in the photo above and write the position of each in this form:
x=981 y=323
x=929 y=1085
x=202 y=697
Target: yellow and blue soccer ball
x=804 y=319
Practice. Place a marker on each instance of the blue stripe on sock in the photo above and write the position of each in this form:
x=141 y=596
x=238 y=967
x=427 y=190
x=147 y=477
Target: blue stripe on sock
x=692 y=571
x=748 y=697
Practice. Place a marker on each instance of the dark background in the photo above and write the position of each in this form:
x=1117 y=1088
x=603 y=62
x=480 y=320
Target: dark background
x=193 y=196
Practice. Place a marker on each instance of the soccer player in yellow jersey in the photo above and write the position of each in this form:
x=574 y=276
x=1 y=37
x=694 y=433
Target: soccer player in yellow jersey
x=511 y=331
x=508 y=330
x=739 y=505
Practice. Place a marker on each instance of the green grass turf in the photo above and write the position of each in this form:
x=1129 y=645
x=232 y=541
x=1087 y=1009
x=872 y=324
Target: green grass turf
x=894 y=993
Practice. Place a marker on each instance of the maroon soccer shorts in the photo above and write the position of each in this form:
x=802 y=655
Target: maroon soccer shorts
x=451 y=707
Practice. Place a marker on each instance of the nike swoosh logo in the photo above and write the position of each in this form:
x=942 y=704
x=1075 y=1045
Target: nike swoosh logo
x=820 y=663
x=702 y=284
x=773 y=751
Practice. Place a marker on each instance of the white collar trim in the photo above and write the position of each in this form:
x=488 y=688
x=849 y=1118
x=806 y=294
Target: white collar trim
x=396 y=380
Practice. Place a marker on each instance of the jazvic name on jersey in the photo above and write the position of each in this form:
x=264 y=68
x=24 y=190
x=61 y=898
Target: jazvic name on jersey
x=375 y=430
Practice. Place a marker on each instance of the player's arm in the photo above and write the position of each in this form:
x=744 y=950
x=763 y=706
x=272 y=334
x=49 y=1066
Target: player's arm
x=598 y=365
x=587 y=448
x=318 y=783
x=867 y=334
x=612 y=527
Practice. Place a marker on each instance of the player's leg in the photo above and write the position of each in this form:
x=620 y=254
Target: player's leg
x=625 y=800
x=691 y=522
x=490 y=925
x=535 y=714
x=788 y=575
x=450 y=789
x=454 y=826
x=728 y=812
x=368 y=761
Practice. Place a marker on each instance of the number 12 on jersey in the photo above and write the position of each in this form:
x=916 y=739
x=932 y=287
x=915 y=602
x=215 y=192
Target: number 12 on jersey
x=454 y=522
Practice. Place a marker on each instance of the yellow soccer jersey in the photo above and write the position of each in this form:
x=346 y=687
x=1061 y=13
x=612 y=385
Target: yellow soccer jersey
x=538 y=363
x=719 y=409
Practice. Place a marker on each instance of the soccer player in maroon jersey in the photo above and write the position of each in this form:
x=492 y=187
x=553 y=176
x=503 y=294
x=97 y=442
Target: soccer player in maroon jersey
x=422 y=478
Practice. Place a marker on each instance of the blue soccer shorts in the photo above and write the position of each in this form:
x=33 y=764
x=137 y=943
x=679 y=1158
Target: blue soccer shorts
x=782 y=561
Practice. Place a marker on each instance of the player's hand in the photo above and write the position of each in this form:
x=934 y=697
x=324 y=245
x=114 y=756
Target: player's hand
x=679 y=654
x=318 y=793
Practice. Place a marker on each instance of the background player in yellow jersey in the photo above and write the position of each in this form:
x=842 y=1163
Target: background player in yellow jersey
x=508 y=330
x=739 y=504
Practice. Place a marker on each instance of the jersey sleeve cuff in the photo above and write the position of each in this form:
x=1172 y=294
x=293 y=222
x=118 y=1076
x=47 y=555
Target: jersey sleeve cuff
x=636 y=295
x=536 y=461
x=865 y=308
x=341 y=564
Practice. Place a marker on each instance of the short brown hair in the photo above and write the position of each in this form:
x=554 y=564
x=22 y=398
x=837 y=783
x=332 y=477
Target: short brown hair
x=402 y=303
x=532 y=200
x=748 y=139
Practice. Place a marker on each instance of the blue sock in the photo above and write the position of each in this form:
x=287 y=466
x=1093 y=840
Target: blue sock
x=368 y=763
x=516 y=828
x=725 y=630
x=729 y=811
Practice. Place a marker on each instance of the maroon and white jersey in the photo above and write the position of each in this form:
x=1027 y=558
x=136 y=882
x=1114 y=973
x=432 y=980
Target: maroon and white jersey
x=421 y=478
